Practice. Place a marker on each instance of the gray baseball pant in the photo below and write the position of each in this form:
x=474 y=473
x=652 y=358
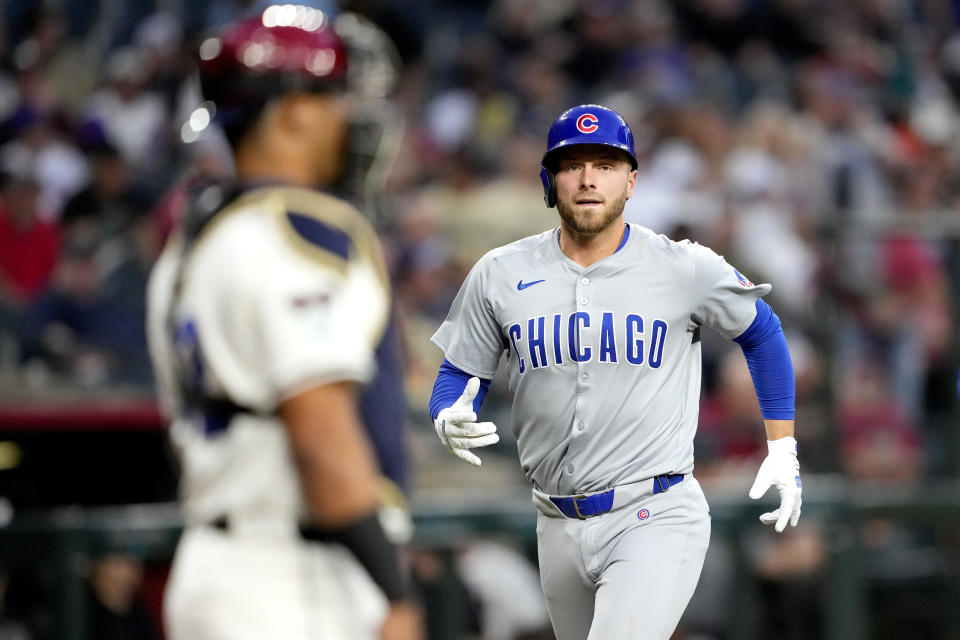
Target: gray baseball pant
x=627 y=574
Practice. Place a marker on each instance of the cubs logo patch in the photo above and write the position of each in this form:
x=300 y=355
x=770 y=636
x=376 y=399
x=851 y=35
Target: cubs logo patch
x=743 y=279
x=587 y=123
x=643 y=514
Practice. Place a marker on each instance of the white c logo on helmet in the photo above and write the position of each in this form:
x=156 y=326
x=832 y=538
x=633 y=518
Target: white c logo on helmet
x=587 y=123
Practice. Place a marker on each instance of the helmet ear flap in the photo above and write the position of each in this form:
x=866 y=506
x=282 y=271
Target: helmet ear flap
x=549 y=187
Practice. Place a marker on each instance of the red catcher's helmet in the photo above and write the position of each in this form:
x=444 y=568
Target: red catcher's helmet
x=285 y=48
x=290 y=48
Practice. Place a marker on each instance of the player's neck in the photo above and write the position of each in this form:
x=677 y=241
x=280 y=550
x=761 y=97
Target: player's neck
x=588 y=248
x=259 y=169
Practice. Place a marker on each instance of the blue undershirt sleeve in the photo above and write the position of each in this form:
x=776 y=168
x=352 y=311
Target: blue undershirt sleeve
x=765 y=348
x=450 y=383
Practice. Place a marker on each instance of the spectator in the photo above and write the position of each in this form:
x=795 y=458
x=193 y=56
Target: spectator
x=879 y=442
x=133 y=117
x=89 y=325
x=28 y=248
x=109 y=205
x=39 y=148
x=115 y=610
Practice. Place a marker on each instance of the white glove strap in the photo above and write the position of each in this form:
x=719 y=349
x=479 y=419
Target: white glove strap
x=782 y=446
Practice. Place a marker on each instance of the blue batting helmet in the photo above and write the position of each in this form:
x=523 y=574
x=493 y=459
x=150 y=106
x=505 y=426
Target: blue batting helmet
x=584 y=124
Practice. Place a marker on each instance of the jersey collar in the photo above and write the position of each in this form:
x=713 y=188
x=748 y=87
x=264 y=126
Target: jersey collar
x=622 y=253
x=626 y=234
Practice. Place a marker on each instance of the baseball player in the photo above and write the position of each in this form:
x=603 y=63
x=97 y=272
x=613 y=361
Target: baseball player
x=265 y=311
x=599 y=322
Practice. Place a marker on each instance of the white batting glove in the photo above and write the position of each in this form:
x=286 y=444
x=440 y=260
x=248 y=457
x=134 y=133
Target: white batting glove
x=458 y=429
x=780 y=469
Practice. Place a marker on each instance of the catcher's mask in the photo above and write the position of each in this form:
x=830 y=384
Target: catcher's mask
x=296 y=48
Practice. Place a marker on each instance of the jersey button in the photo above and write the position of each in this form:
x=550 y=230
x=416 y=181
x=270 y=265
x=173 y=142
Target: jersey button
x=583 y=300
x=584 y=377
x=585 y=281
x=569 y=468
x=580 y=426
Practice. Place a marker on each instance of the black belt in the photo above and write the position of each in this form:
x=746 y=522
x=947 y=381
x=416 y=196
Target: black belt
x=307 y=532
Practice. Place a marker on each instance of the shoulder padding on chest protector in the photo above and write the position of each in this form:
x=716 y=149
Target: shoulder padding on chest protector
x=319 y=226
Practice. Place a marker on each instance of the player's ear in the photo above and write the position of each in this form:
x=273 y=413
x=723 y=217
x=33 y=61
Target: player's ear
x=549 y=187
x=631 y=183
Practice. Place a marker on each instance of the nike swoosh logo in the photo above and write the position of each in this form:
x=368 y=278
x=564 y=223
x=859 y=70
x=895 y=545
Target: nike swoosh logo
x=523 y=285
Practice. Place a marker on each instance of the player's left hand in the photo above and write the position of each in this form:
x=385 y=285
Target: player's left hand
x=782 y=470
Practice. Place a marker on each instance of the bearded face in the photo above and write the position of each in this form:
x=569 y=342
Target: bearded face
x=593 y=184
x=592 y=215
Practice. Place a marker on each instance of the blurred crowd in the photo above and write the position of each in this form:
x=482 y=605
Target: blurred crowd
x=819 y=155
x=814 y=144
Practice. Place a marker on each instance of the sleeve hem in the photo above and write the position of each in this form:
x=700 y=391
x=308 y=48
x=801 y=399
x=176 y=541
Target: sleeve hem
x=747 y=324
x=463 y=366
x=778 y=415
x=298 y=384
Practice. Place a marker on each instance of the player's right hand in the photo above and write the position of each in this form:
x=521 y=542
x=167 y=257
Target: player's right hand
x=458 y=429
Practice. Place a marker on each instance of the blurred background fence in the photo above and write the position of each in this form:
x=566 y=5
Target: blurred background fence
x=856 y=591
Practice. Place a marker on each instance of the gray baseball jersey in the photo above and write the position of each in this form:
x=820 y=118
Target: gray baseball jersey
x=603 y=361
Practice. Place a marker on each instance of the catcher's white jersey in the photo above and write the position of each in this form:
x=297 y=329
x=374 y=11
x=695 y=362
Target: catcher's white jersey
x=283 y=290
x=603 y=361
